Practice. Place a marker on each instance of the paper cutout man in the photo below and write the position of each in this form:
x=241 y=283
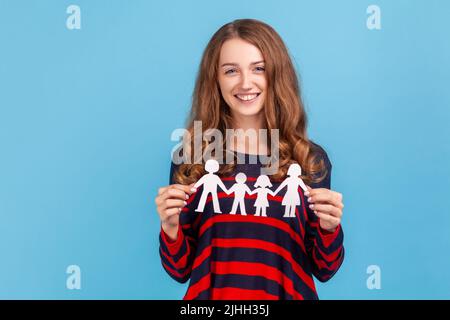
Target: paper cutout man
x=210 y=181
x=261 y=203
x=239 y=189
x=291 y=198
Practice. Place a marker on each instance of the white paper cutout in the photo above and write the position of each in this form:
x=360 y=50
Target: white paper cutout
x=261 y=203
x=291 y=198
x=239 y=189
x=210 y=181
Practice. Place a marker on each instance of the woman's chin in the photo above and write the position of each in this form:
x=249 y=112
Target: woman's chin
x=247 y=111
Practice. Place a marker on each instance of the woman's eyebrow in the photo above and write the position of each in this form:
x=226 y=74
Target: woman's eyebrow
x=237 y=64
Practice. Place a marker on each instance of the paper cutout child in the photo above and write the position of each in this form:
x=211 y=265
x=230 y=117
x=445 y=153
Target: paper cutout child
x=210 y=181
x=291 y=198
x=239 y=189
x=261 y=203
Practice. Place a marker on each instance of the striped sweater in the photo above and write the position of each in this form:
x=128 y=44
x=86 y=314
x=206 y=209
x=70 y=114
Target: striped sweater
x=238 y=257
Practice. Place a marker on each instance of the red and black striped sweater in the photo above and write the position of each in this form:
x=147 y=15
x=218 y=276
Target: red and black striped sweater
x=237 y=257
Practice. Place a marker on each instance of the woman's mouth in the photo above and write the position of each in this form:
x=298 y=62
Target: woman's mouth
x=247 y=98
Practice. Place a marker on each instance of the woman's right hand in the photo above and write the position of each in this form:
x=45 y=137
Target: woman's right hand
x=169 y=202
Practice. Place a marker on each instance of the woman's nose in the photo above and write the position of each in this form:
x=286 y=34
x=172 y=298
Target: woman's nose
x=246 y=82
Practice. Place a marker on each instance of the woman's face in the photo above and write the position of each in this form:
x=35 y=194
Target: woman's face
x=242 y=78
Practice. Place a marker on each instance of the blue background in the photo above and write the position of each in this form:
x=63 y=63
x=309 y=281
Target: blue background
x=86 y=117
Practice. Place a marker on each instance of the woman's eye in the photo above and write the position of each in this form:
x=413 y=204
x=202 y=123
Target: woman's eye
x=230 y=71
x=260 y=69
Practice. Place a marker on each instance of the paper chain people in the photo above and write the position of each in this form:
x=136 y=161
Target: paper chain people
x=211 y=181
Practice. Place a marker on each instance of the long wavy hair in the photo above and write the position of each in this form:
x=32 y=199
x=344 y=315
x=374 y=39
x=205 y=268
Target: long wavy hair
x=283 y=106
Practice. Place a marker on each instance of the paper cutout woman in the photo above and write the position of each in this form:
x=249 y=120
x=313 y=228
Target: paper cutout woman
x=210 y=181
x=239 y=189
x=261 y=203
x=291 y=198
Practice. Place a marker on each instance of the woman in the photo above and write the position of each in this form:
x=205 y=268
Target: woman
x=246 y=81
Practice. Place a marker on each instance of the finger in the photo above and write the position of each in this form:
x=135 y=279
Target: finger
x=326 y=196
x=308 y=190
x=174 y=193
x=162 y=190
x=174 y=203
x=326 y=208
x=328 y=218
x=316 y=190
x=189 y=189
x=325 y=190
x=323 y=197
x=159 y=200
x=172 y=211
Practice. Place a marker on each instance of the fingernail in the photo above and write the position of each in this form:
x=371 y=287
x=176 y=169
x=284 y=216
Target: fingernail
x=187 y=197
x=193 y=190
x=307 y=193
x=309 y=199
x=179 y=209
x=185 y=203
x=311 y=206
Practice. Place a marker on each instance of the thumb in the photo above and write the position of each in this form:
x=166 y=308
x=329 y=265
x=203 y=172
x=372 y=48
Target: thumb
x=191 y=187
x=308 y=189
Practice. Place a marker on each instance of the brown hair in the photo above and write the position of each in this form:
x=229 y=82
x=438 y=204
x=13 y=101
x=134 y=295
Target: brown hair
x=283 y=106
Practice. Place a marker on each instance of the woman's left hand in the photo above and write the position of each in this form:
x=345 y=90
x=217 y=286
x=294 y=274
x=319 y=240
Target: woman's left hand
x=327 y=205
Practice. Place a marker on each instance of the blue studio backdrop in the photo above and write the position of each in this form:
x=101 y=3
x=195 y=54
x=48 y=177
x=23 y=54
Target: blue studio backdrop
x=90 y=92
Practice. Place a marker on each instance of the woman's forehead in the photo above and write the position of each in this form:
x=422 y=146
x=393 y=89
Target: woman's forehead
x=239 y=52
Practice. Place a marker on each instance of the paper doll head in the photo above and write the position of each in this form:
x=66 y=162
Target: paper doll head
x=212 y=166
x=263 y=181
x=241 y=177
x=294 y=170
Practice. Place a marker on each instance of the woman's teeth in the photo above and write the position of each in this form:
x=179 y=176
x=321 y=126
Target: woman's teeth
x=246 y=97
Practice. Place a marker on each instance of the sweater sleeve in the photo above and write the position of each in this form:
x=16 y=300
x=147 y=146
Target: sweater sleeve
x=177 y=256
x=325 y=249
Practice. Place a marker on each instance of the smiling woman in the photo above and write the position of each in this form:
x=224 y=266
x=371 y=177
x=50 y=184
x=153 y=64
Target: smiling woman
x=247 y=81
x=244 y=58
x=242 y=80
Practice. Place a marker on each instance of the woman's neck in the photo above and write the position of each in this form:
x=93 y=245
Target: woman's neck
x=255 y=122
x=250 y=126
